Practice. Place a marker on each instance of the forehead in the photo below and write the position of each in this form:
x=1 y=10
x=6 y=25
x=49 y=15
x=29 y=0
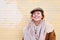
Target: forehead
x=36 y=12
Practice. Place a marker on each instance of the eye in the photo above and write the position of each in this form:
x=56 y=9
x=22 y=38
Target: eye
x=38 y=13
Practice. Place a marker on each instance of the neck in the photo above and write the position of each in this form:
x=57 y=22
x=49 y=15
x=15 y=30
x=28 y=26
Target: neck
x=37 y=22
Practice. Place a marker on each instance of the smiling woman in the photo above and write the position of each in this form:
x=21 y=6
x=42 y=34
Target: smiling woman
x=38 y=28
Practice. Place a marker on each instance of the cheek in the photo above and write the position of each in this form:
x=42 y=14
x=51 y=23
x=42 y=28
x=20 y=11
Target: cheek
x=33 y=15
x=40 y=15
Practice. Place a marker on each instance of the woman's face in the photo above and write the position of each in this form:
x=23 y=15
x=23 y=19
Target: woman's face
x=37 y=16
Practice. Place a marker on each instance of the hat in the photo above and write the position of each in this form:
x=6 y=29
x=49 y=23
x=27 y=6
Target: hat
x=37 y=9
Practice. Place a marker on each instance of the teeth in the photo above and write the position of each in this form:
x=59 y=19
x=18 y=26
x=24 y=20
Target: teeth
x=36 y=17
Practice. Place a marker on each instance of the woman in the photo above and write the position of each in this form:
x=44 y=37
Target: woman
x=38 y=28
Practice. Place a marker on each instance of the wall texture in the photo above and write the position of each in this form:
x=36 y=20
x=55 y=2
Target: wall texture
x=15 y=14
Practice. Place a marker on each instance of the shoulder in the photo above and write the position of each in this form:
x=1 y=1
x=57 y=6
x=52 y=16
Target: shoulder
x=49 y=27
x=27 y=27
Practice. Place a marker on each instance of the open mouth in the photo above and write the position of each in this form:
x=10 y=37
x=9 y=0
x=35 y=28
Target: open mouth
x=36 y=17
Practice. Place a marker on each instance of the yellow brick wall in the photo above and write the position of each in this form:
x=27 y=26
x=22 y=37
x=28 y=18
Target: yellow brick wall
x=52 y=14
